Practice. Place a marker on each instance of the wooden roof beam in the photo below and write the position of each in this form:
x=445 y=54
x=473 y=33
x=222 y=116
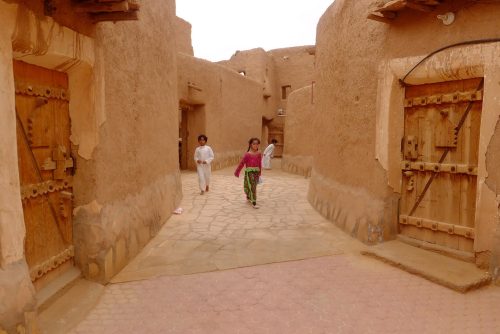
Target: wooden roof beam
x=122 y=6
x=416 y=6
x=114 y=16
x=379 y=18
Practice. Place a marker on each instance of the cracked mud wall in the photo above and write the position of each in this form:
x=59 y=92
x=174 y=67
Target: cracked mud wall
x=131 y=184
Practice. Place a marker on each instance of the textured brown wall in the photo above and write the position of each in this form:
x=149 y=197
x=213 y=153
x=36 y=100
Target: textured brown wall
x=232 y=104
x=130 y=186
x=300 y=139
x=183 y=36
x=348 y=183
x=258 y=65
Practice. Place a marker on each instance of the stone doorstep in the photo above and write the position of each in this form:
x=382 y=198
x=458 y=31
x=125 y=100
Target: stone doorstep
x=459 y=255
x=70 y=307
x=449 y=272
x=55 y=288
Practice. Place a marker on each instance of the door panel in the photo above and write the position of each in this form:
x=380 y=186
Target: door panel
x=440 y=157
x=45 y=166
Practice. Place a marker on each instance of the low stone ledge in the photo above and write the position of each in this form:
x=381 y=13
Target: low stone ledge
x=297 y=164
x=365 y=217
x=107 y=237
x=226 y=159
x=15 y=285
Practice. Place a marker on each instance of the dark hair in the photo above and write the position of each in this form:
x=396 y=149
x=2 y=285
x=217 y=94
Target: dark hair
x=274 y=141
x=251 y=141
x=200 y=137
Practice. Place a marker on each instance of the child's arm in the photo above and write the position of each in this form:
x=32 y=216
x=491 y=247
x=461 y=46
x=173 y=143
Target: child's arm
x=197 y=155
x=240 y=166
x=210 y=156
x=260 y=164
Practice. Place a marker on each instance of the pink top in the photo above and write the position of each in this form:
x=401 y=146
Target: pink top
x=249 y=160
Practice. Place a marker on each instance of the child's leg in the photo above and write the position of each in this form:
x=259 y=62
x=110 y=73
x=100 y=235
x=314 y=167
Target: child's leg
x=208 y=175
x=201 y=178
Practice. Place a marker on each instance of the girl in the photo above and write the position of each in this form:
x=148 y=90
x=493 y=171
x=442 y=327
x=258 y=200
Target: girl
x=252 y=160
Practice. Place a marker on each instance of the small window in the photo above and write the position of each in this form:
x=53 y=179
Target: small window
x=285 y=90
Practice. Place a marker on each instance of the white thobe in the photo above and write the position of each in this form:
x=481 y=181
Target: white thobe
x=268 y=154
x=204 y=153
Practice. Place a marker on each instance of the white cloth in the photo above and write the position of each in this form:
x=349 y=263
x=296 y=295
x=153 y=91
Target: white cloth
x=204 y=153
x=268 y=154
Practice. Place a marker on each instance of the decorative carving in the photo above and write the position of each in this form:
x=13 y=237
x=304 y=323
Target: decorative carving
x=42 y=91
x=438 y=226
x=437 y=167
x=411 y=147
x=411 y=180
x=39 y=189
x=55 y=261
x=58 y=163
x=456 y=97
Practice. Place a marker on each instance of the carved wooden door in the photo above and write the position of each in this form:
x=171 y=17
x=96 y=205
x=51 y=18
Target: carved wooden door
x=45 y=167
x=440 y=157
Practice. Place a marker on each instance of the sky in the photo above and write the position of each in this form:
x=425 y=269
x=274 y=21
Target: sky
x=221 y=27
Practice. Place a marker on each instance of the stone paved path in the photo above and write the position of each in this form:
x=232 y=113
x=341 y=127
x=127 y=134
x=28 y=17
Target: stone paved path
x=220 y=230
x=338 y=293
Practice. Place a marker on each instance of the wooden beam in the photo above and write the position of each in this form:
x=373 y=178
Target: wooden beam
x=416 y=6
x=133 y=5
x=108 y=7
x=116 y=16
x=379 y=18
x=392 y=6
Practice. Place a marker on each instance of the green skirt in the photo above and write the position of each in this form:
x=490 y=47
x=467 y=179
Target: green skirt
x=250 y=183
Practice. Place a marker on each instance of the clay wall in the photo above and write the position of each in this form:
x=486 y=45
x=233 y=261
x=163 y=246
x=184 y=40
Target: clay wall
x=16 y=290
x=124 y=115
x=258 y=65
x=133 y=170
x=226 y=106
x=356 y=178
x=300 y=140
x=183 y=36
x=275 y=69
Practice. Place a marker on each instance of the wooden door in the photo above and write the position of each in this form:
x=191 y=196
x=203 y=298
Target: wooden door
x=183 y=138
x=45 y=167
x=440 y=157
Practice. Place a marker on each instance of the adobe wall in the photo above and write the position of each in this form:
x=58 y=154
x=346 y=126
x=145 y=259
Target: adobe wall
x=16 y=290
x=183 y=36
x=299 y=140
x=294 y=65
x=228 y=108
x=133 y=169
x=258 y=65
x=356 y=177
x=123 y=110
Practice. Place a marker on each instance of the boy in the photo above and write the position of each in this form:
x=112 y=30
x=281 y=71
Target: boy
x=203 y=156
x=269 y=154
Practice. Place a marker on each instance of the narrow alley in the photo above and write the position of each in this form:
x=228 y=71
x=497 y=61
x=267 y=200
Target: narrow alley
x=222 y=267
